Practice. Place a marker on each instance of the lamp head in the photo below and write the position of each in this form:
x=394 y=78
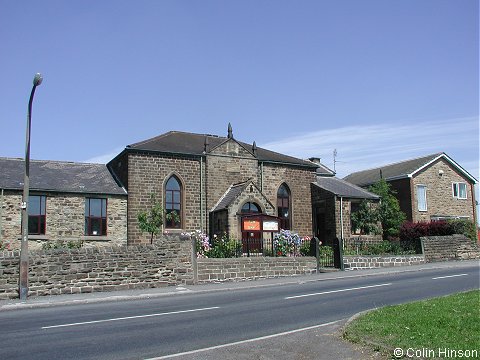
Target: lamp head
x=37 y=80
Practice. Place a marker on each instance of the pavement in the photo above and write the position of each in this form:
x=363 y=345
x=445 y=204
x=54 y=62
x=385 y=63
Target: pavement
x=324 y=342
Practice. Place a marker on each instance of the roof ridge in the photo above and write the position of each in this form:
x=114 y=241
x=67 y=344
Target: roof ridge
x=397 y=162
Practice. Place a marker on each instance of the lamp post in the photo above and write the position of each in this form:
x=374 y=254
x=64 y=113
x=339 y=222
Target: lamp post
x=23 y=281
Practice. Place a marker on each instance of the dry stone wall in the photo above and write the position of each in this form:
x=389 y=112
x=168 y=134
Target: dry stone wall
x=453 y=247
x=252 y=268
x=167 y=262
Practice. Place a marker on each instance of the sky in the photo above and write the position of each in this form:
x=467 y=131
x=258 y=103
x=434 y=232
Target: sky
x=379 y=81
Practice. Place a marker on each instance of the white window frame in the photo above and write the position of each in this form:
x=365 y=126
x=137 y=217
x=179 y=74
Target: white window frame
x=456 y=190
x=425 y=208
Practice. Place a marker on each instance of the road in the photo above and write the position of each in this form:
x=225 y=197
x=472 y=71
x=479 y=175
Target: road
x=192 y=322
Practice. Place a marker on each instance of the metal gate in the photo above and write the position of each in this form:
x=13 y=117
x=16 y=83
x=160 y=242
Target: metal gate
x=329 y=254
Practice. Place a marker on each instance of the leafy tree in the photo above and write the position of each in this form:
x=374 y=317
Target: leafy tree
x=389 y=213
x=151 y=221
x=365 y=219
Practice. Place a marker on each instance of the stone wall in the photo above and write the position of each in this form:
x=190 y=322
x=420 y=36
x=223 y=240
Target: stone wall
x=252 y=268
x=167 y=262
x=453 y=247
x=362 y=262
x=65 y=220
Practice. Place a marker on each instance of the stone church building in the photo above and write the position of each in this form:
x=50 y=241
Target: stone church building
x=216 y=184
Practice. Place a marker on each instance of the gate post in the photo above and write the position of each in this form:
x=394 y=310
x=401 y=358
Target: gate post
x=317 y=253
x=194 y=260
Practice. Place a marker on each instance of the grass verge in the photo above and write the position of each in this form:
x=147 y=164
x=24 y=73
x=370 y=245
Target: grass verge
x=450 y=322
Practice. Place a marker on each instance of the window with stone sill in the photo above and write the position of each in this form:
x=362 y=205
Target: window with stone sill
x=37 y=214
x=95 y=217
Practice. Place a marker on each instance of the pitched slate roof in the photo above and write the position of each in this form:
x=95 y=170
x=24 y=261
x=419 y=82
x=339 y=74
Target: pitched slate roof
x=400 y=170
x=230 y=195
x=344 y=189
x=59 y=176
x=178 y=142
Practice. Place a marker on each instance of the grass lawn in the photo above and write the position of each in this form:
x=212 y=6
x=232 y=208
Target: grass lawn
x=450 y=322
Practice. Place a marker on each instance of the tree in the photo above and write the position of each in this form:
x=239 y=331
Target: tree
x=151 y=221
x=389 y=213
x=365 y=219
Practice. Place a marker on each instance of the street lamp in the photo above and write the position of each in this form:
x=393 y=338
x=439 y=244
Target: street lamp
x=23 y=281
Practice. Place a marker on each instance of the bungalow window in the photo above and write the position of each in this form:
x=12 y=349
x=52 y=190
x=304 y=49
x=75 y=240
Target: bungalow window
x=283 y=206
x=422 y=197
x=95 y=217
x=36 y=214
x=173 y=203
x=459 y=190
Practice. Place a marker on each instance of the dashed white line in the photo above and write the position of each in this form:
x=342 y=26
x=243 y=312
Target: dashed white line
x=336 y=291
x=130 y=317
x=448 y=276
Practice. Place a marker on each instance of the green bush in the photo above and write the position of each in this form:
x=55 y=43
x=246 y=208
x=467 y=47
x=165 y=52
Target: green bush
x=465 y=227
x=225 y=247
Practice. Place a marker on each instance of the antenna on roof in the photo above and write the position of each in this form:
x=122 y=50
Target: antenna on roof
x=230 y=132
x=334 y=160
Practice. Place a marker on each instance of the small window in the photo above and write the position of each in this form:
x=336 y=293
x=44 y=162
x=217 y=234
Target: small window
x=459 y=190
x=36 y=214
x=95 y=217
x=173 y=202
x=250 y=207
x=422 y=197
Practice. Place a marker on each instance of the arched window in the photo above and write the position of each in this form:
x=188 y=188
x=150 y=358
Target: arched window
x=250 y=207
x=283 y=206
x=173 y=203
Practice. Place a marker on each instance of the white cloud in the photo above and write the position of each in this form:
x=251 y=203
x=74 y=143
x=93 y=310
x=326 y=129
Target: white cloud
x=367 y=146
x=104 y=158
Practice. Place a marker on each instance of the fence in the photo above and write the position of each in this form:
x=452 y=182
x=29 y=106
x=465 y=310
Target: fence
x=252 y=247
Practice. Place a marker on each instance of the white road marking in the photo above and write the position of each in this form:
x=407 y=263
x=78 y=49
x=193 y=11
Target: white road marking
x=448 y=276
x=130 y=317
x=244 y=341
x=337 y=291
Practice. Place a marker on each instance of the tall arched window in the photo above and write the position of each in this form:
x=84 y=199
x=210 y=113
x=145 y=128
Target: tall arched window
x=283 y=206
x=173 y=203
x=250 y=208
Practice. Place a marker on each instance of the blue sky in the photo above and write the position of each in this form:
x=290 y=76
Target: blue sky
x=378 y=80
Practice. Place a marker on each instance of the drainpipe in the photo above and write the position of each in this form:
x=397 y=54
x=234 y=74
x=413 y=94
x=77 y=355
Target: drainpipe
x=261 y=177
x=201 y=196
x=341 y=218
x=340 y=246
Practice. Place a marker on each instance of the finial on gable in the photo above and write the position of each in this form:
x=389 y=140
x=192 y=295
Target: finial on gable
x=254 y=148
x=230 y=132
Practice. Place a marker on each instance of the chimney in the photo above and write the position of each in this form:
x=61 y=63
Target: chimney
x=315 y=160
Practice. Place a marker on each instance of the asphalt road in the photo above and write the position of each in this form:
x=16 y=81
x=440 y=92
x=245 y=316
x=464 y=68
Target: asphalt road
x=193 y=322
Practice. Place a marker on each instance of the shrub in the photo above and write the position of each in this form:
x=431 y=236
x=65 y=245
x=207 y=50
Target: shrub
x=465 y=227
x=410 y=233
